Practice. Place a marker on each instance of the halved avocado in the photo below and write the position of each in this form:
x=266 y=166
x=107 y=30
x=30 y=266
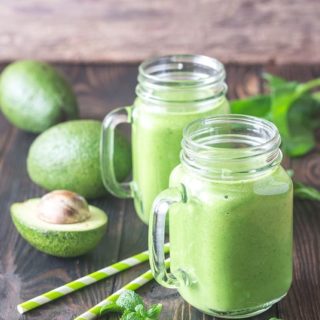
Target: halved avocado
x=61 y=240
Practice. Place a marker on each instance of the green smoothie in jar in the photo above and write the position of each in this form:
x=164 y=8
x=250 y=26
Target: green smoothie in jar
x=230 y=218
x=172 y=91
x=156 y=142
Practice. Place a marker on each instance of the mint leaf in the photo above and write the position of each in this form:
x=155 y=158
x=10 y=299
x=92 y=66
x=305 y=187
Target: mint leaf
x=258 y=106
x=282 y=97
x=113 y=307
x=128 y=300
x=316 y=96
x=304 y=192
x=302 y=119
x=291 y=103
x=154 y=311
x=131 y=305
x=140 y=309
x=273 y=318
x=129 y=315
x=307 y=86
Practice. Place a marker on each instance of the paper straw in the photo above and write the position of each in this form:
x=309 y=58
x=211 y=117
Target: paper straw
x=84 y=281
x=135 y=284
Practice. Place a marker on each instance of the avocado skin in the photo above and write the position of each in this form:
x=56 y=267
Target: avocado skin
x=34 y=96
x=67 y=157
x=60 y=243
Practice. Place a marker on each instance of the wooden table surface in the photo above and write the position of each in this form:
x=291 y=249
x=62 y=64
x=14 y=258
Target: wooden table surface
x=25 y=272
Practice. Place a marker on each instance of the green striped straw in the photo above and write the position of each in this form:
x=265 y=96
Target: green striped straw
x=85 y=281
x=135 y=284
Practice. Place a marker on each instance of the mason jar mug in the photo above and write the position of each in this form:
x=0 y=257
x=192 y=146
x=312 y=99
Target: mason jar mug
x=172 y=91
x=230 y=218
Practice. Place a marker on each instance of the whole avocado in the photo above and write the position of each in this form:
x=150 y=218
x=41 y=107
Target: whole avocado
x=66 y=156
x=34 y=96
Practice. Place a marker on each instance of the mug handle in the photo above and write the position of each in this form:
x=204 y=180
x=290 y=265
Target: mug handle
x=157 y=228
x=107 y=144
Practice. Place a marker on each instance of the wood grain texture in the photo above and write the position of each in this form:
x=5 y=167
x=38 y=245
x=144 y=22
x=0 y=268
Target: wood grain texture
x=303 y=299
x=24 y=272
x=246 y=31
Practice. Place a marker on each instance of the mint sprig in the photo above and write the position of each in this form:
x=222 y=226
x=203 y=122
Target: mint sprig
x=129 y=300
x=132 y=307
x=292 y=106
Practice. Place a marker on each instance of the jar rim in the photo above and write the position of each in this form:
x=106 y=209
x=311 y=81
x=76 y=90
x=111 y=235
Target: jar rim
x=232 y=118
x=231 y=145
x=156 y=71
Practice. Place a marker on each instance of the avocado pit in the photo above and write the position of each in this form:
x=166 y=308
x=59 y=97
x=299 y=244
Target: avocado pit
x=63 y=207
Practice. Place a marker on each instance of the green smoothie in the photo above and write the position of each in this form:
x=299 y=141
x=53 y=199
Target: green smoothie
x=156 y=145
x=233 y=239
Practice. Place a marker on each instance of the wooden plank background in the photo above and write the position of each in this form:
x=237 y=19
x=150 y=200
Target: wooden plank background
x=246 y=31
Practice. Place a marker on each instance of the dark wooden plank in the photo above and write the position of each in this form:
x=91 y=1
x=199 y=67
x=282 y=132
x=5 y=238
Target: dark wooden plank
x=5 y=131
x=25 y=272
x=125 y=31
x=100 y=88
x=303 y=299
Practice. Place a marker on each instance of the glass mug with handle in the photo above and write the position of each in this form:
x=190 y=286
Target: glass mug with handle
x=230 y=221
x=171 y=92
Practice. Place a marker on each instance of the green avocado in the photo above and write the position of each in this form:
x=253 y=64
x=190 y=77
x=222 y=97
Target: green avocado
x=67 y=157
x=61 y=240
x=34 y=96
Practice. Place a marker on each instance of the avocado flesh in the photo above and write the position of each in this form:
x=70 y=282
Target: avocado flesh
x=61 y=240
